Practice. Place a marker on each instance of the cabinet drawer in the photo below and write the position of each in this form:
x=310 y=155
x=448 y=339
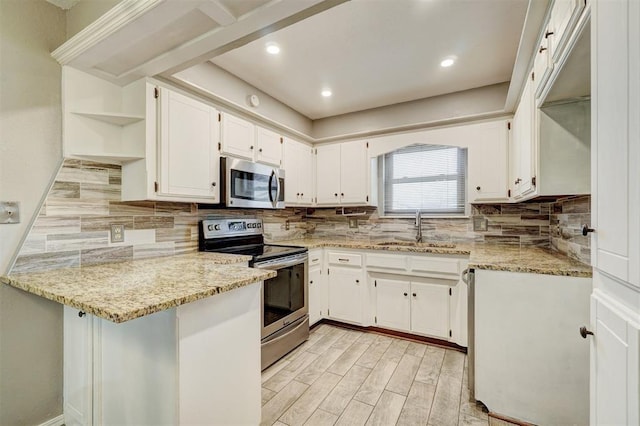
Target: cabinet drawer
x=439 y=266
x=386 y=261
x=352 y=259
x=315 y=258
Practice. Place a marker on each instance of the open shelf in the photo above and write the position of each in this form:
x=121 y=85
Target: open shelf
x=119 y=119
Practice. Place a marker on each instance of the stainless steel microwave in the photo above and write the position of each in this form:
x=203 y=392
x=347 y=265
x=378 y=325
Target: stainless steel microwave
x=253 y=185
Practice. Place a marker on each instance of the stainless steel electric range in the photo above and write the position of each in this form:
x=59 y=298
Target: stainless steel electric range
x=285 y=299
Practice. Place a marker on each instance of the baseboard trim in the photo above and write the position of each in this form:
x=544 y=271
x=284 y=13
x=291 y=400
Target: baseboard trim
x=393 y=333
x=56 y=421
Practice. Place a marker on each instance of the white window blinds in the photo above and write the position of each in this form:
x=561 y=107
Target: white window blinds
x=430 y=178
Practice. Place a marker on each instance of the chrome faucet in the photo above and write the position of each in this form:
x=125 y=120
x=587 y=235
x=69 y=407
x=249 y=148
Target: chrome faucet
x=419 y=226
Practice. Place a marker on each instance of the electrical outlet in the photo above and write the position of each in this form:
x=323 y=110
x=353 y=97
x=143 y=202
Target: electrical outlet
x=287 y=225
x=117 y=233
x=353 y=223
x=479 y=223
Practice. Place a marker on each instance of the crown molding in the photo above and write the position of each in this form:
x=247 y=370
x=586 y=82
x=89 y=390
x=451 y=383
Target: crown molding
x=116 y=18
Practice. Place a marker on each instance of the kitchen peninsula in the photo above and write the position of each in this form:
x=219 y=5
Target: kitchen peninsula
x=173 y=340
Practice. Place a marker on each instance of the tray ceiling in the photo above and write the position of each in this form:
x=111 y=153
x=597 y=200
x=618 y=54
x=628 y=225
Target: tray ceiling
x=372 y=53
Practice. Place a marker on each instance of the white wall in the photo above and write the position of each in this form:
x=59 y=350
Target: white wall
x=223 y=87
x=85 y=12
x=467 y=105
x=30 y=151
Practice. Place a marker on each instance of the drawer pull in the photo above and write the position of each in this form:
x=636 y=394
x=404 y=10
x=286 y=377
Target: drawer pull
x=343 y=260
x=315 y=260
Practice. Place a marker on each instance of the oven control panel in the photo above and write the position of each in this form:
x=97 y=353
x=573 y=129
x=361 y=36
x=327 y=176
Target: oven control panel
x=219 y=228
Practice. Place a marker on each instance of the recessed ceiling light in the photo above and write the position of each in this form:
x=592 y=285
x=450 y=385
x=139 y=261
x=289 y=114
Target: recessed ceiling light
x=326 y=93
x=273 y=48
x=447 y=62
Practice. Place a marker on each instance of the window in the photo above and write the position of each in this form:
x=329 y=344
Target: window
x=430 y=178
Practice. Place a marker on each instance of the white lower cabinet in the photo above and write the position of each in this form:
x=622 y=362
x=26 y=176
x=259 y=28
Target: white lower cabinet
x=414 y=307
x=346 y=294
x=318 y=303
x=168 y=367
x=430 y=309
x=393 y=304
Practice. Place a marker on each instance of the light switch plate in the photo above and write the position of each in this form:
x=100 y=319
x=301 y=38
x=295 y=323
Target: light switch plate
x=9 y=212
x=117 y=233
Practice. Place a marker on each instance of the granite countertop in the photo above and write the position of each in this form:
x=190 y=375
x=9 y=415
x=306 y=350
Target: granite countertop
x=534 y=260
x=497 y=257
x=435 y=247
x=124 y=291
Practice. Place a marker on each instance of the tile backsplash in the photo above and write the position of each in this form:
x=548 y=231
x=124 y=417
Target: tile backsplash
x=566 y=221
x=73 y=226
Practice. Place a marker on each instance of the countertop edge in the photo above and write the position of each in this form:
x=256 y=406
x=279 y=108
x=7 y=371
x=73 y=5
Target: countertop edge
x=121 y=317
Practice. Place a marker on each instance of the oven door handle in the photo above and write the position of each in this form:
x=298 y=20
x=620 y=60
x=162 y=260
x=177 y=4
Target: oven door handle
x=281 y=265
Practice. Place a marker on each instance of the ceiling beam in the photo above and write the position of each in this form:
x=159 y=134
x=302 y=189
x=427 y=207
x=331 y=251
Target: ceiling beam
x=218 y=13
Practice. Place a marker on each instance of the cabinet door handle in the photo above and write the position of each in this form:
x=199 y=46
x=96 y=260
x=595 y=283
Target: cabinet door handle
x=405 y=294
x=584 y=332
x=311 y=282
x=477 y=188
x=357 y=281
x=82 y=314
x=414 y=295
x=342 y=194
x=542 y=49
x=297 y=194
x=547 y=34
x=213 y=184
x=335 y=195
x=302 y=194
x=586 y=230
x=251 y=147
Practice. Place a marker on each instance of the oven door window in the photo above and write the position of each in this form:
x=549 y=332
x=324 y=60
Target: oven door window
x=284 y=294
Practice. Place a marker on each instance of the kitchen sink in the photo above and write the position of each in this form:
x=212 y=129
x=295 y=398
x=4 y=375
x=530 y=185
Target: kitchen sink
x=416 y=244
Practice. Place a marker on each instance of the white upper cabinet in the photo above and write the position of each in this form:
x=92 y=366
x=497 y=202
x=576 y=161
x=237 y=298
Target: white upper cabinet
x=354 y=173
x=490 y=147
x=188 y=147
x=328 y=174
x=342 y=174
x=243 y=139
x=543 y=63
x=522 y=145
x=564 y=15
x=238 y=137
x=299 y=173
x=550 y=148
x=269 y=147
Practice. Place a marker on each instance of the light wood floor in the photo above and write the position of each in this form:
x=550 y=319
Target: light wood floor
x=348 y=377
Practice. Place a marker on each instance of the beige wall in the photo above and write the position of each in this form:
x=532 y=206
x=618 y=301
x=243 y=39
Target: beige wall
x=30 y=151
x=85 y=12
